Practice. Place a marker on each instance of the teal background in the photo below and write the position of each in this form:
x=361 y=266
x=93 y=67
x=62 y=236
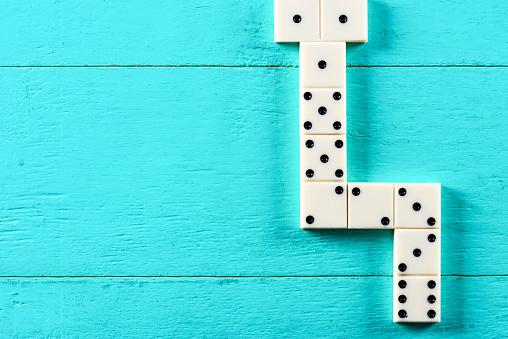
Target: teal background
x=149 y=170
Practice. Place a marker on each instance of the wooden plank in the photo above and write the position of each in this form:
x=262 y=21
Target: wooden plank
x=193 y=32
x=194 y=171
x=262 y=307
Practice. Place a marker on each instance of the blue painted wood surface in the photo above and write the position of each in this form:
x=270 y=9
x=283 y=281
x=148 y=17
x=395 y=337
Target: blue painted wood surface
x=337 y=307
x=159 y=197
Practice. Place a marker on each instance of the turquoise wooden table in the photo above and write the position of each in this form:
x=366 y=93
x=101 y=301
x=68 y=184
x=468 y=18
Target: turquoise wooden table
x=149 y=170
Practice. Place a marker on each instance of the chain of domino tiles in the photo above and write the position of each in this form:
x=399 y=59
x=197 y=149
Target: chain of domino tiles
x=326 y=199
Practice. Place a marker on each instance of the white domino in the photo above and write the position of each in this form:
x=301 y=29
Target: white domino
x=344 y=20
x=322 y=64
x=323 y=111
x=323 y=205
x=417 y=252
x=323 y=158
x=370 y=205
x=296 y=20
x=417 y=299
x=326 y=199
x=418 y=205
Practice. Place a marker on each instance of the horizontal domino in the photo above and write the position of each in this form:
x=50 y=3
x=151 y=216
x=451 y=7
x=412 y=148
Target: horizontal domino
x=370 y=205
x=417 y=205
x=387 y=205
x=344 y=20
x=296 y=20
x=320 y=20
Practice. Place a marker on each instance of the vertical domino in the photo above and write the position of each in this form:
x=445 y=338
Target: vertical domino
x=417 y=275
x=323 y=205
x=416 y=299
x=417 y=253
x=323 y=158
x=323 y=111
x=323 y=151
x=322 y=65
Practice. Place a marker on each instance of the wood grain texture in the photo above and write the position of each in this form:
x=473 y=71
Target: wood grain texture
x=259 y=307
x=198 y=32
x=188 y=171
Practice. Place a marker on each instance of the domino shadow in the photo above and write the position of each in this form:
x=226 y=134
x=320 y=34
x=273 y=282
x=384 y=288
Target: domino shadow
x=453 y=258
x=363 y=108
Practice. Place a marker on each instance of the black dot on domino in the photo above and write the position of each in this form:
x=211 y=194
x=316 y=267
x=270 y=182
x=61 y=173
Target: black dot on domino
x=322 y=110
x=337 y=96
x=402 y=314
x=402 y=191
x=402 y=267
x=339 y=143
x=297 y=19
x=324 y=158
x=431 y=284
x=343 y=19
x=339 y=173
x=322 y=64
x=431 y=314
x=307 y=95
x=431 y=299
x=309 y=219
x=431 y=221
x=355 y=191
x=309 y=143
x=339 y=190
x=309 y=173
x=385 y=221
x=417 y=252
x=431 y=238
x=417 y=206
x=337 y=125
x=307 y=125
x=402 y=298
x=402 y=284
